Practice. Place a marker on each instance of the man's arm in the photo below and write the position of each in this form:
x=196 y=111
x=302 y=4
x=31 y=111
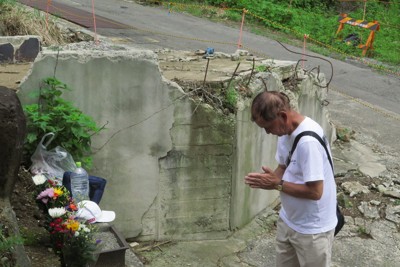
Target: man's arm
x=309 y=190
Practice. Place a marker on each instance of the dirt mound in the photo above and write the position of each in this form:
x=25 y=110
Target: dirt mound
x=31 y=224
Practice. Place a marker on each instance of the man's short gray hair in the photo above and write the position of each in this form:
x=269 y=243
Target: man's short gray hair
x=268 y=104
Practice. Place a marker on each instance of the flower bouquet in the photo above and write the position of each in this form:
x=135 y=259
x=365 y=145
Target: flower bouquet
x=72 y=239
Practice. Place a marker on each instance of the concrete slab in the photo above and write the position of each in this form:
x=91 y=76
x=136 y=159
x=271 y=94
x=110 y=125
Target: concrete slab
x=354 y=155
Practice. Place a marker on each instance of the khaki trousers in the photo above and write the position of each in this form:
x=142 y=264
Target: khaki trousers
x=299 y=250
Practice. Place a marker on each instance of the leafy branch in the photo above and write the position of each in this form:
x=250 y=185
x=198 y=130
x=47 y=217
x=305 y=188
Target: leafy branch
x=72 y=128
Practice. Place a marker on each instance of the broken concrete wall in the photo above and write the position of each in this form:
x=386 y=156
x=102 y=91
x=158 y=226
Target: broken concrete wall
x=174 y=167
x=125 y=91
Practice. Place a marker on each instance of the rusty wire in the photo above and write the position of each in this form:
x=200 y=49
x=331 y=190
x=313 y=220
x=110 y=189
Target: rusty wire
x=205 y=75
x=233 y=75
x=251 y=74
x=330 y=63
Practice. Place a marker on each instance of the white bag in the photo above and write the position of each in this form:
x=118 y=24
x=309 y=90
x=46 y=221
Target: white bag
x=52 y=163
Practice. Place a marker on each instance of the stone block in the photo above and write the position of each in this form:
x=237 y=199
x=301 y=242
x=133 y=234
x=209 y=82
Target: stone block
x=28 y=50
x=6 y=53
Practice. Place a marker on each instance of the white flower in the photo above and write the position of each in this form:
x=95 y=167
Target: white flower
x=57 y=212
x=39 y=179
x=84 y=228
x=76 y=234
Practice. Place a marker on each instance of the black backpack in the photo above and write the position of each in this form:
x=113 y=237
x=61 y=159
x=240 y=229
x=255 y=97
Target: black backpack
x=339 y=214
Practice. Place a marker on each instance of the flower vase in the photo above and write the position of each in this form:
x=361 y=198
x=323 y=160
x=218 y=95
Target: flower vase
x=71 y=260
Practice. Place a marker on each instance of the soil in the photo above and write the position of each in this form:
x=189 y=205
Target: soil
x=31 y=224
x=12 y=74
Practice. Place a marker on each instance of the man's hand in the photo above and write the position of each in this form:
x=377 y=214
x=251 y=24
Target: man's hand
x=267 y=180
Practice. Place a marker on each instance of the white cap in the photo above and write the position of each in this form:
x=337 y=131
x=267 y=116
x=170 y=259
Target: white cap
x=91 y=212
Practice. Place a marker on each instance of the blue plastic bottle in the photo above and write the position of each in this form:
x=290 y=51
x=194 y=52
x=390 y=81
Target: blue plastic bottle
x=79 y=184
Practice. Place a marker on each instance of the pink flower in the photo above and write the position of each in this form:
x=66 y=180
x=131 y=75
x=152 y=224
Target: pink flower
x=46 y=194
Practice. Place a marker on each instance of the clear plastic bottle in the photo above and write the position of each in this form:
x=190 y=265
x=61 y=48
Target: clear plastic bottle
x=79 y=184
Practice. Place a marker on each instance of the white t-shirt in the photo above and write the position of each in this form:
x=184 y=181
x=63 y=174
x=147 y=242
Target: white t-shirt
x=309 y=162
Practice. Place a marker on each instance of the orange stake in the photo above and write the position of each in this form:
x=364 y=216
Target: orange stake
x=241 y=29
x=96 y=40
x=304 y=50
x=47 y=14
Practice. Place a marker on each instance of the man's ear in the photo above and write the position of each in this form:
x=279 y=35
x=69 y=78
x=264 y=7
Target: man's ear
x=282 y=114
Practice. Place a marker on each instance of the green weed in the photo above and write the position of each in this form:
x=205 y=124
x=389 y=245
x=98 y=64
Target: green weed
x=231 y=97
x=362 y=230
x=7 y=246
x=261 y=68
x=73 y=129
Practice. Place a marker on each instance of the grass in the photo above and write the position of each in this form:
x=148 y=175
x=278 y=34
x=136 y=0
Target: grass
x=16 y=19
x=31 y=238
x=363 y=233
x=231 y=97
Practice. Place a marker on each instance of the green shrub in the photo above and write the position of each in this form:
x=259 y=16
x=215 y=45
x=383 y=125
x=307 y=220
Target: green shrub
x=72 y=128
x=233 y=15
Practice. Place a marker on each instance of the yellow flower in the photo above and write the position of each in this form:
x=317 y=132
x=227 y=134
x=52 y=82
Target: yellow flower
x=58 y=192
x=72 y=225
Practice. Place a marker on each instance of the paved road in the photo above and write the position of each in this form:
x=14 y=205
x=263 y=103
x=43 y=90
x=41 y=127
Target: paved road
x=360 y=97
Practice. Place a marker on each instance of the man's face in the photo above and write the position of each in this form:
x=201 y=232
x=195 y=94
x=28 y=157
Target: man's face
x=276 y=126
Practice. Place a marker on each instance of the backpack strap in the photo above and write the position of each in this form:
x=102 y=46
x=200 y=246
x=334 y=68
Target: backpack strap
x=316 y=136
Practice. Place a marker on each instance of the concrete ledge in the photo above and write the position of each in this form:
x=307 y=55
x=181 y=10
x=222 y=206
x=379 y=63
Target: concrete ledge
x=17 y=49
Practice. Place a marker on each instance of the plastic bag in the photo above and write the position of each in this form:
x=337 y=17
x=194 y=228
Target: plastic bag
x=51 y=163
